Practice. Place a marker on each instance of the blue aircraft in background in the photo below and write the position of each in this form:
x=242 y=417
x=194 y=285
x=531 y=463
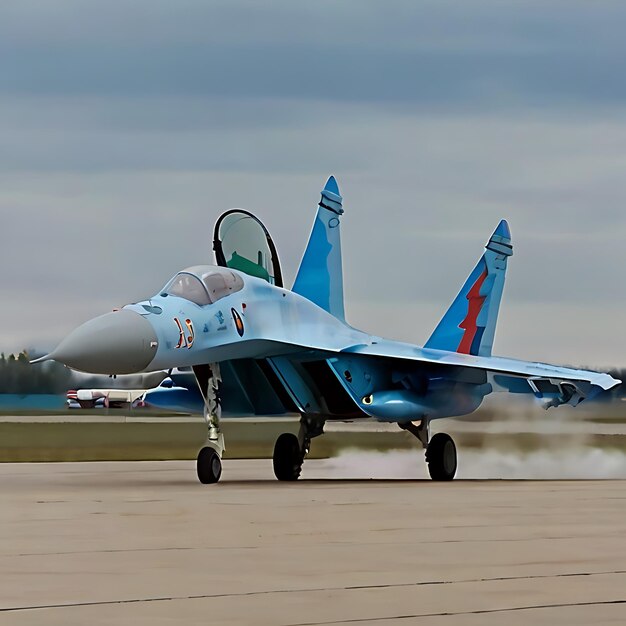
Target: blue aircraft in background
x=257 y=348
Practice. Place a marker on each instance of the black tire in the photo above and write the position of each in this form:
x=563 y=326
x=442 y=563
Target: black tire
x=287 y=457
x=208 y=466
x=441 y=457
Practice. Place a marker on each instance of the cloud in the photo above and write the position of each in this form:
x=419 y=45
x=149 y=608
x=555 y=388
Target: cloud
x=126 y=128
x=479 y=54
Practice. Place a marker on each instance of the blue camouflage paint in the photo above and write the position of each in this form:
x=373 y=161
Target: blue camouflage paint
x=450 y=332
x=290 y=330
x=320 y=276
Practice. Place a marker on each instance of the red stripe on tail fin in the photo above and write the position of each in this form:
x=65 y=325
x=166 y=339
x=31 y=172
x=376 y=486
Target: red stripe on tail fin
x=474 y=305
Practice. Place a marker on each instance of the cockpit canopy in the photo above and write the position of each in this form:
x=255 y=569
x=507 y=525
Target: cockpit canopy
x=204 y=284
x=241 y=241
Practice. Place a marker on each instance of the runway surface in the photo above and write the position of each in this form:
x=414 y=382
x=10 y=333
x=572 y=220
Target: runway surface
x=144 y=543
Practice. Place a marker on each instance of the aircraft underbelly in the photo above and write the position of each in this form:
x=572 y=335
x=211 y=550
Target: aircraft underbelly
x=352 y=387
x=315 y=388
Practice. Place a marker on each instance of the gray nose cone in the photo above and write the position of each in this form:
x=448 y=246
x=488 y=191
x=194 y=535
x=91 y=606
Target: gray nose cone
x=122 y=342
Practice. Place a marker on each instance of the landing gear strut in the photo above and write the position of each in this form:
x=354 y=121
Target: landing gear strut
x=290 y=450
x=440 y=450
x=209 y=462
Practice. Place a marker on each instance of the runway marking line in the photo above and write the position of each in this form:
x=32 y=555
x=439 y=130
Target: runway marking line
x=350 y=543
x=454 y=613
x=348 y=588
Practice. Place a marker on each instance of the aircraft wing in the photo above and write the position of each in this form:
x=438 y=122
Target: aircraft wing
x=557 y=385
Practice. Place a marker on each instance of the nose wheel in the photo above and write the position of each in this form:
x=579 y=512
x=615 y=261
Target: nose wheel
x=209 y=461
x=208 y=466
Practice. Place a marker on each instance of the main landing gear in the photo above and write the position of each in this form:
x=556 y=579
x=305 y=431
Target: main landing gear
x=290 y=450
x=440 y=450
x=441 y=457
x=209 y=462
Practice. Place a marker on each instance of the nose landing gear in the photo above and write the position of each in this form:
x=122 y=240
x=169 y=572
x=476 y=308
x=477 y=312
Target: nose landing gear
x=209 y=461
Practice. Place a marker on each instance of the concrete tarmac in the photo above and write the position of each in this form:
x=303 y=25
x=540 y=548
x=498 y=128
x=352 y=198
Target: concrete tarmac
x=144 y=543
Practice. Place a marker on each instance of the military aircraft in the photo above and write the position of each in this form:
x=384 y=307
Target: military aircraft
x=256 y=347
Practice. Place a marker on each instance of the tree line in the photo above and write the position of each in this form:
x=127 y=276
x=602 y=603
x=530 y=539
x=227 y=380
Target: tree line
x=18 y=376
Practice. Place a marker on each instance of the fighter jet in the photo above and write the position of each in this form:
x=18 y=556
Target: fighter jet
x=256 y=347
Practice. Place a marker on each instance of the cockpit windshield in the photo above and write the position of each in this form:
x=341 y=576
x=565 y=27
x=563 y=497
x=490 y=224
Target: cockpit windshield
x=188 y=286
x=204 y=284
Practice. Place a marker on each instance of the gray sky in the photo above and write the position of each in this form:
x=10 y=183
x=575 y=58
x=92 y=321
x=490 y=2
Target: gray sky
x=126 y=128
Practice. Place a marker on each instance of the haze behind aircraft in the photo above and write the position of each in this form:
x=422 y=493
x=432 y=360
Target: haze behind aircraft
x=257 y=348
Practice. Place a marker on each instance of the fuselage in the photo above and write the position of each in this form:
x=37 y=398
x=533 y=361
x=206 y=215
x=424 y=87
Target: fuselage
x=198 y=318
x=210 y=314
x=254 y=320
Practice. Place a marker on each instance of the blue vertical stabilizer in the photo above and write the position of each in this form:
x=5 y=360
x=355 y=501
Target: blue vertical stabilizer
x=320 y=275
x=469 y=325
